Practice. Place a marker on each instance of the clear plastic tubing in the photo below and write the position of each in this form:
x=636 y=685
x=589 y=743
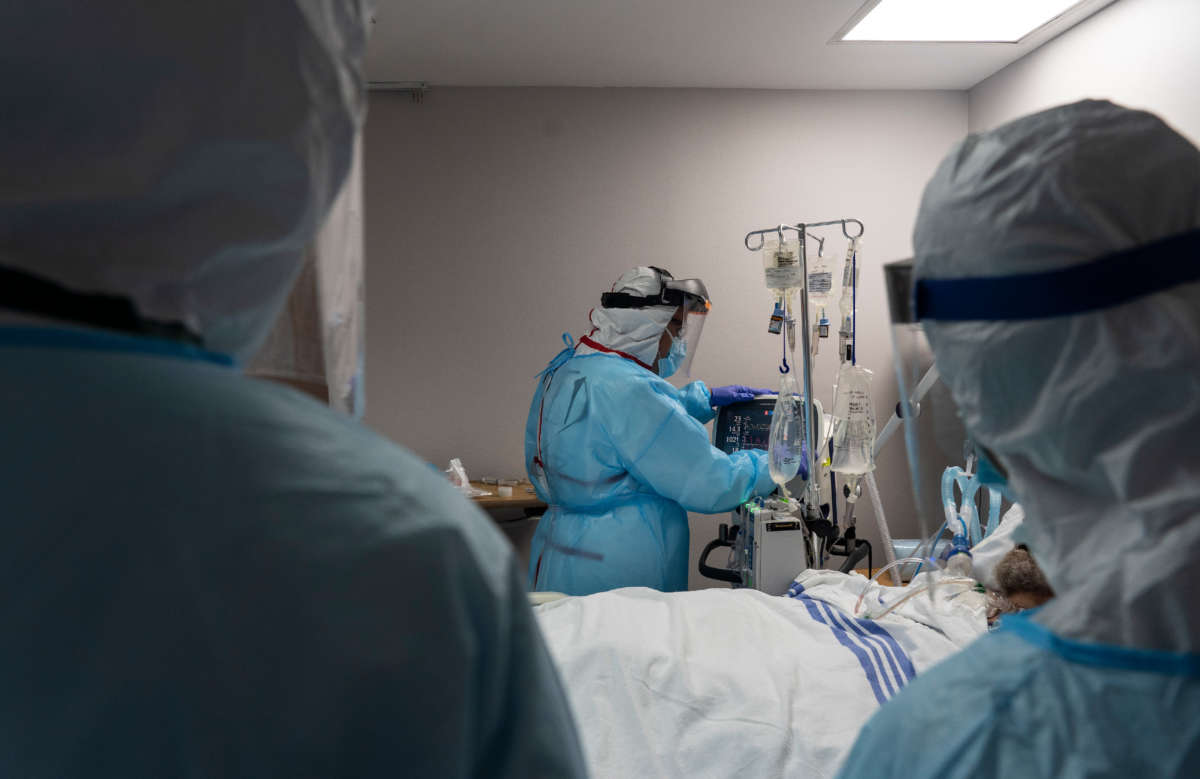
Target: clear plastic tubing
x=966 y=584
x=880 y=572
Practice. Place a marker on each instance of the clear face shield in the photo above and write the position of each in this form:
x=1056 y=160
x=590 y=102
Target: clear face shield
x=695 y=309
x=689 y=298
x=953 y=506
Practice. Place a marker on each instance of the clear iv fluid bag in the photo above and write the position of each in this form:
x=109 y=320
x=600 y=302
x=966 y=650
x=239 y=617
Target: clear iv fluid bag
x=781 y=264
x=785 y=445
x=853 y=422
x=820 y=281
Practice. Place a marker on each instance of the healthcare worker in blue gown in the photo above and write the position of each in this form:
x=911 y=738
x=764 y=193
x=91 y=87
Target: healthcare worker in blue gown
x=1057 y=277
x=203 y=574
x=621 y=455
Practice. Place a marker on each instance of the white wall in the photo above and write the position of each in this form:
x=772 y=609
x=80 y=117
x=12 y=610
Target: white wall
x=1140 y=53
x=496 y=217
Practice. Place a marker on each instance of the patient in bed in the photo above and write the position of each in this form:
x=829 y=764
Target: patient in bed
x=1021 y=584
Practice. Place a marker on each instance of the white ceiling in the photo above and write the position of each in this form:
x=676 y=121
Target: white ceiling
x=766 y=44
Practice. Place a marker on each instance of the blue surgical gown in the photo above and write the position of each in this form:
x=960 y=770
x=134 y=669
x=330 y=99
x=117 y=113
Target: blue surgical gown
x=1021 y=702
x=626 y=457
x=208 y=575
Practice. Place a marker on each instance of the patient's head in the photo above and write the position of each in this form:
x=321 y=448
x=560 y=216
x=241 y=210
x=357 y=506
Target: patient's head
x=1020 y=579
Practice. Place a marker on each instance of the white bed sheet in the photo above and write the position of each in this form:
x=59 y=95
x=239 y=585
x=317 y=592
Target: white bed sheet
x=722 y=683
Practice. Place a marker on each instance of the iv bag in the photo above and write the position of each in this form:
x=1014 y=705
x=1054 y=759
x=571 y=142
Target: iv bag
x=781 y=264
x=785 y=446
x=820 y=281
x=853 y=422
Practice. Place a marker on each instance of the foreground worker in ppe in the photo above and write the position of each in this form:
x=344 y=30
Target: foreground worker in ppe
x=204 y=574
x=621 y=455
x=1057 y=277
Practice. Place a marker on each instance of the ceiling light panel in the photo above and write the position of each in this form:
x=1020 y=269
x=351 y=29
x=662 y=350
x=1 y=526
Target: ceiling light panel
x=961 y=21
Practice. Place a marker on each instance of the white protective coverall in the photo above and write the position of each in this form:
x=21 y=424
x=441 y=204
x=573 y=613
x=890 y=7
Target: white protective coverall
x=205 y=574
x=1078 y=371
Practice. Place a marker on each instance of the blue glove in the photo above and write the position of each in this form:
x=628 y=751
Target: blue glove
x=734 y=393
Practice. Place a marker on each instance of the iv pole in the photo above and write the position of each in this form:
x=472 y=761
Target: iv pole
x=802 y=229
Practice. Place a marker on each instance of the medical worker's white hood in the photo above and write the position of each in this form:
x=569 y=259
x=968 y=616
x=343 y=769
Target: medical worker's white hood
x=633 y=331
x=184 y=164
x=1095 y=416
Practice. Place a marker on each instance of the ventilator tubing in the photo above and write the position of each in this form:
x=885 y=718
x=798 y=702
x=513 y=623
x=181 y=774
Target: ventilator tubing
x=934 y=581
x=881 y=572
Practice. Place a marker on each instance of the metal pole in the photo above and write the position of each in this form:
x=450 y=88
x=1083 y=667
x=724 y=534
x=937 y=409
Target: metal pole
x=809 y=408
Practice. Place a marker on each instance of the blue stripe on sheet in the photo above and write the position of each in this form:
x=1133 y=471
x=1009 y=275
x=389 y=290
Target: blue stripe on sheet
x=892 y=683
x=859 y=629
x=840 y=634
x=851 y=632
x=898 y=661
x=873 y=627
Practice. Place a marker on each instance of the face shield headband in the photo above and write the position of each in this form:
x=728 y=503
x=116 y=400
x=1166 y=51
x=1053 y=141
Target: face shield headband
x=937 y=437
x=1102 y=283
x=689 y=293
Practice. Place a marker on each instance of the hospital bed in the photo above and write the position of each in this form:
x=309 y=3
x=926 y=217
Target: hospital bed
x=735 y=682
x=774 y=677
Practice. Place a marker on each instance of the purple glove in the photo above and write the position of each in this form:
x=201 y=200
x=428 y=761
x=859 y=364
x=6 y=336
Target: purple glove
x=734 y=393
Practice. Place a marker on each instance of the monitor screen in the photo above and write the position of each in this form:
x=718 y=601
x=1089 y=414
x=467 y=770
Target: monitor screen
x=743 y=425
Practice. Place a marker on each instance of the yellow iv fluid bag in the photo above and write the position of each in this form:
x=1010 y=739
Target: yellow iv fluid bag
x=785 y=445
x=781 y=264
x=853 y=422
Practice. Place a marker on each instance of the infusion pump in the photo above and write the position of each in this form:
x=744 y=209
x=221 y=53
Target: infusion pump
x=768 y=539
